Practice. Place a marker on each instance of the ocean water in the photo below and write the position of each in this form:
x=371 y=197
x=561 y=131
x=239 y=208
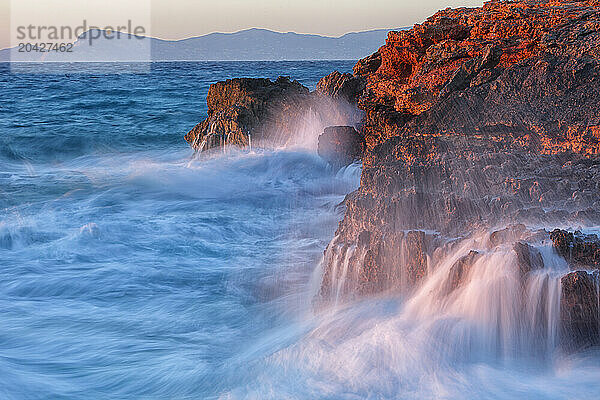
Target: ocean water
x=129 y=268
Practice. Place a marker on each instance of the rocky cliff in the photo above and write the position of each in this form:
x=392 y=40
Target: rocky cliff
x=477 y=120
x=518 y=69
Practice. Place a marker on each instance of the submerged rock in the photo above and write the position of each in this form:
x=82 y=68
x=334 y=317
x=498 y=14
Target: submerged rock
x=340 y=145
x=528 y=258
x=366 y=272
x=460 y=270
x=508 y=234
x=579 y=311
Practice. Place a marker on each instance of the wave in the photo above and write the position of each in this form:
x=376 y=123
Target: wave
x=489 y=333
x=143 y=273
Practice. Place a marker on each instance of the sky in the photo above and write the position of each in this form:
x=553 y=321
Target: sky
x=177 y=19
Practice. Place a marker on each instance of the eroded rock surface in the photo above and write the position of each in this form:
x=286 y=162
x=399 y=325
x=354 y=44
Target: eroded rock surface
x=581 y=251
x=243 y=106
x=519 y=69
x=341 y=145
x=460 y=270
x=478 y=119
x=272 y=113
x=579 y=310
x=528 y=258
x=341 y=86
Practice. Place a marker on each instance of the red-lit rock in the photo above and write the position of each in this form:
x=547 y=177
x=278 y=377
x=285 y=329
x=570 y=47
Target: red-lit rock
x=478 y=118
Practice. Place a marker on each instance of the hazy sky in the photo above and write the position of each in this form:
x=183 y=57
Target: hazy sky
x=175 y=19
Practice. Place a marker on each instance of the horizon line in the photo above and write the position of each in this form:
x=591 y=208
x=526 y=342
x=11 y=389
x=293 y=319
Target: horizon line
x=238 y=31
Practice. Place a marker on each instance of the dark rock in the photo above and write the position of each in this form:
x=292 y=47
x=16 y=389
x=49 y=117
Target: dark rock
x=340 y=145
x=528 y=258
x=508 y=234
x=580 y=251
x=397 y=262
x=341 y=86
x=368 y=65
x=416 y=247
x=579 y=311
x=460 y=270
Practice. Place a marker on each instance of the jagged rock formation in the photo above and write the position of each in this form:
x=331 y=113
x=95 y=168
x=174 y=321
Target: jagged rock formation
x=528 y=258
x=581 y=251
x=518 y=69
x=368 y=65
x=475 y=119
x=241 y=107
x=471 y=121
x=460 y=270
x=272 y=113
x=580 y=290
x=579 y=310
x=341 y=145
x=341 y=86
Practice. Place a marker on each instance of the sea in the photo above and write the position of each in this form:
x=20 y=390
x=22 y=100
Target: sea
x=132 y=268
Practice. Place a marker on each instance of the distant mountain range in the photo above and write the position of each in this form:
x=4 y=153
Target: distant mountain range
x=247 y=45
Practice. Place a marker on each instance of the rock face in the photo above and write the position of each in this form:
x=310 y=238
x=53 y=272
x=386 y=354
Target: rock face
x=579 y=311
x=518 y=69
x=476 y=119
x=243 y=106
x=407 y=253
x=580 y=251
x=580 y=291
x=341 y=86
x=528 y=258
x=368 y=65
x=460 y=270
x=340 y=145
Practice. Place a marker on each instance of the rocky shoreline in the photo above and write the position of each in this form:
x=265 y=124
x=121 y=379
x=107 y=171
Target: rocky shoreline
x=478 y=120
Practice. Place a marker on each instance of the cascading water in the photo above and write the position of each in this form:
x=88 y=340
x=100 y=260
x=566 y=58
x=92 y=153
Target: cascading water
x=493 y=312
x=490 y=310
x=492 y=331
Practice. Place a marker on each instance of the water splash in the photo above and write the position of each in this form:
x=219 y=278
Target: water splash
x=475 y=299
x=493 y=333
